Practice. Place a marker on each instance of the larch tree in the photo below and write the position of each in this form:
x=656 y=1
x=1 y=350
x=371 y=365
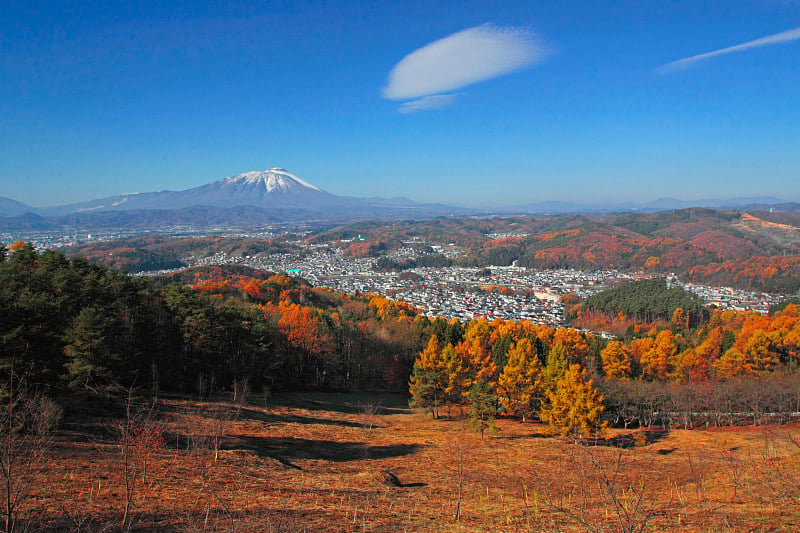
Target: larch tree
x=556 y=367
x=731 y=364
x=658 y=361
x=574 y=342
x=575 y=406
x=457 y=375
x=761 y=353
x=476 y=352
x=680 y=319
x=692 y=366
x=519 y=385
x=616 y=358
x=482 y=401
x=429 y=379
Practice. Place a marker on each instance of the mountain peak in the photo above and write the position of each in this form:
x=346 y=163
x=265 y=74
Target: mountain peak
x=274 y=179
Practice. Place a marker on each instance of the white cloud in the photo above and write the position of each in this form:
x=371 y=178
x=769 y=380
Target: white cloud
x=434 y=101
x=461 y=59
x=778 y=38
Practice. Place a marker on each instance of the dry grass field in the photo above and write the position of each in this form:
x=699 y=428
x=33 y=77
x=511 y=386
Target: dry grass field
x=321 y=462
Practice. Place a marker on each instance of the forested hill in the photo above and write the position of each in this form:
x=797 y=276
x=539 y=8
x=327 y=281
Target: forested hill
x=647 y=301
x=747 y=250
x=72 y=325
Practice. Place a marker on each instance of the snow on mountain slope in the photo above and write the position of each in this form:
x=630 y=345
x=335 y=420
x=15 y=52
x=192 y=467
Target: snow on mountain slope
x=274 y=179
x=271 y=188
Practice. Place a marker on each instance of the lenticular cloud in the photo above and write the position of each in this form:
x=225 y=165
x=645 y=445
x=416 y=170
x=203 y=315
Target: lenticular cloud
x=469 y=56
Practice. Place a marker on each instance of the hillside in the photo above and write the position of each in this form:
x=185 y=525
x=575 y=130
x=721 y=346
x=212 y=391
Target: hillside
x=196 y=403
x=322 y=462
x=758 y=250
x=700 y=245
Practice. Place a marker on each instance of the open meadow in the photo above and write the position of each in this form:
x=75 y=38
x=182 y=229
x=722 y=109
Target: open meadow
x=347 y=462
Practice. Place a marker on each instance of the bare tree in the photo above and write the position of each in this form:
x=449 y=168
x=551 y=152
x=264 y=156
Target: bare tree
x=27 y=420
x=241 y=390
x=139 y=439
x=776 y=467
x=598 y=491
x=370 y=411
x=218 y=426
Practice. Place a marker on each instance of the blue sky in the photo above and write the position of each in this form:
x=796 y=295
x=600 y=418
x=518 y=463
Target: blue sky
x=529 y=101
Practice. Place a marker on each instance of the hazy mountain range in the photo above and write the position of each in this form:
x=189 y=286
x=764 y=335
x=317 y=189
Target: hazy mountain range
x=661 y=204
x=257 y=197
x=261 y=197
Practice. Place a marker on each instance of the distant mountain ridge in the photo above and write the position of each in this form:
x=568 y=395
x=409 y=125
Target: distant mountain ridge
x=13 y=208
x=247 y=199
x=273 y=188
x=275 y=194
x=660 y=204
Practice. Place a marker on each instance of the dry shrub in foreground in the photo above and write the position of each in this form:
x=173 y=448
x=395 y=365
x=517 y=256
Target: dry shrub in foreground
x=312 y=466
x=27 y=420
x=601 y=489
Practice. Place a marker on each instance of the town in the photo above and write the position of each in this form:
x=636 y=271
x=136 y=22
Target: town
x=511 y=293
x=507 y=292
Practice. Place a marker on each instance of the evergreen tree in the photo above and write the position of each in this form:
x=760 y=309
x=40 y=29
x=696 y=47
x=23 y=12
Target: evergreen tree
x=89 y=361
x=482 y=406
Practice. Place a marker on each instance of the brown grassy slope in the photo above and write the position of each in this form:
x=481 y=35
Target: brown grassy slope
x=311 y=462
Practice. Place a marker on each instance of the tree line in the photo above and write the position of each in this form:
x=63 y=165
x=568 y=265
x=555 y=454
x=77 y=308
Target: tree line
x=736 y=367
x=71 y=325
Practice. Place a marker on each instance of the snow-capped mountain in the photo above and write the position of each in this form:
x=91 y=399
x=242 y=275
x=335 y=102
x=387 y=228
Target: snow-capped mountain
x=248 y=199
x=273 y=188
x=274 y=179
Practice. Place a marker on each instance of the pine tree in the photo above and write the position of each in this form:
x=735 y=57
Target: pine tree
x=482 y=406
x=87 y=352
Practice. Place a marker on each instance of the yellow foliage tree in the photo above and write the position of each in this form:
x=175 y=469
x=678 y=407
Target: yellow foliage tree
x=680 y=319
x=458 y=381
x=616 y=358
x=731 y=364
x=518 y=385
x=428 y=381
x=575 y=406
x=556 y=367
x=574 y=342
x=657 y=362
x=760 y=353
x=474 y=349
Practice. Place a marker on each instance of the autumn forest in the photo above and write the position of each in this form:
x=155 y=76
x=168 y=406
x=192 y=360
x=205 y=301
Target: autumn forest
x=184 y=355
